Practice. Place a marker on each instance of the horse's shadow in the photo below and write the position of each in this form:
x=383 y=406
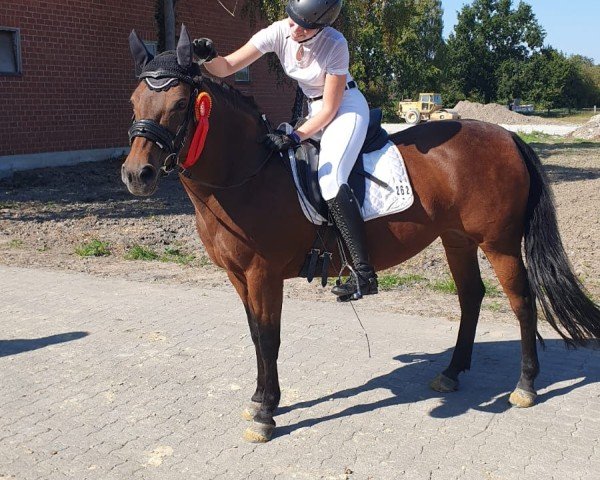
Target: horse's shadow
x=20 y=345
x=495 y=371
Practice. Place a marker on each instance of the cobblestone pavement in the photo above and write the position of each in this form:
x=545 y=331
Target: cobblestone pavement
x=113 y=379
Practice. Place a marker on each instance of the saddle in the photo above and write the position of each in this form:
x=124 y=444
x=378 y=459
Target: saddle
x=307 y=164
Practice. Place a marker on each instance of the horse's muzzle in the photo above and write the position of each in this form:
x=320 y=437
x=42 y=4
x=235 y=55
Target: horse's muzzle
x=140 y=181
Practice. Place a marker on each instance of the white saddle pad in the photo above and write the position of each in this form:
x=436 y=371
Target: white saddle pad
x=385 y=164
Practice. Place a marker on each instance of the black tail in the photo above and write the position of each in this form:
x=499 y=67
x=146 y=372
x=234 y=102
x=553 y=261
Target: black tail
x=562 y=297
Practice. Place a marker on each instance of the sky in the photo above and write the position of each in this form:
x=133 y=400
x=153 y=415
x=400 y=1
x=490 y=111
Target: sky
x=571 y=26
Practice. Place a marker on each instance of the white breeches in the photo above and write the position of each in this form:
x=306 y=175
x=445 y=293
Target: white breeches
x=341 y=141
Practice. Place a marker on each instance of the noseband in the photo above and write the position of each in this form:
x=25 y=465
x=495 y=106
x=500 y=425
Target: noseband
x=162 y=137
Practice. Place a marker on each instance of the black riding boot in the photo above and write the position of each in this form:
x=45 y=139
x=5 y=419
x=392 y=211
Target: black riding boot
x=348 y=220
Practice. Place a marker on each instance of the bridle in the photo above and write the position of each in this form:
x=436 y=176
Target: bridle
x=162 y=137
x=171 y=144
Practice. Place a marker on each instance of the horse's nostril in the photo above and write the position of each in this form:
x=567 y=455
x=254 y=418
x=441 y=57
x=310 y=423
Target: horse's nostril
x=130 y=177
x=147 y=173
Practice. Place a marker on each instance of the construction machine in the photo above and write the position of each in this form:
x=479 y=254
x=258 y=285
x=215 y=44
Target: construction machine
x=428 y=107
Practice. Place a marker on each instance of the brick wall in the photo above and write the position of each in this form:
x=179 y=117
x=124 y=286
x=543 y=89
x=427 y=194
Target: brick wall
x=77 y=72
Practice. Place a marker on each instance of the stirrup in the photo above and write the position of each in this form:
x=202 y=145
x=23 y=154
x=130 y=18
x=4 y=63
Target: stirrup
x=355 y=287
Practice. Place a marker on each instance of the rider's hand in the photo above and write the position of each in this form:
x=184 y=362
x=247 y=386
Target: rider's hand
x=204 y=49
x=280 y=141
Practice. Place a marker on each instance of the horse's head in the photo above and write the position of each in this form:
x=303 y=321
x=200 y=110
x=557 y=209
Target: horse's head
x=163 y=109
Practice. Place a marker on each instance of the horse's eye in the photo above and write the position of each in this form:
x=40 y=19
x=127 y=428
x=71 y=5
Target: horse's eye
x=181 y=105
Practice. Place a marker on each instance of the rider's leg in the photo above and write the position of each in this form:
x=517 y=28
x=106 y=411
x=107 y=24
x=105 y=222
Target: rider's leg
x=341 y=143
x=348 y=219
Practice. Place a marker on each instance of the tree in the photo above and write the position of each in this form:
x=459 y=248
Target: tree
x=590 y=80
x=549 y=79
x=488 y=34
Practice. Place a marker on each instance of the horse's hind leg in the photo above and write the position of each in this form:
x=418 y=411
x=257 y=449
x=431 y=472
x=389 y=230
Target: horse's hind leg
x=512 y=275
x=461 y=253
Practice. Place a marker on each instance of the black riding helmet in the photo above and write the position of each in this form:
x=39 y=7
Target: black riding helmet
x=313 y=13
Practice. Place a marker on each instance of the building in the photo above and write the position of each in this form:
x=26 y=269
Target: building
x=66 y=73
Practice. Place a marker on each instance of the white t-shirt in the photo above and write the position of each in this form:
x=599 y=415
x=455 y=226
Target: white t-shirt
x=326 y=53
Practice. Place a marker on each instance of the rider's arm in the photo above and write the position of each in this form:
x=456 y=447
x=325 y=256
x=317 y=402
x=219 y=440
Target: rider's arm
x=332 y=99
x=225 y=66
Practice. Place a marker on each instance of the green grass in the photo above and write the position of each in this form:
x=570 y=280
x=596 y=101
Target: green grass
x=93 y=248
x=394 y=280
x=445 y=285
x=7 y=205
x=545 y=138
x=205 y=261
x=491 y=290
x=171 y=254
x=139 y=252
x=16 y=243
x=540 y=137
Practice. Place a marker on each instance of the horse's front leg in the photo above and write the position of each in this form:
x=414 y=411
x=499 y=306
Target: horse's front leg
x=256 y=401
x=241 y=286
x=265 y=298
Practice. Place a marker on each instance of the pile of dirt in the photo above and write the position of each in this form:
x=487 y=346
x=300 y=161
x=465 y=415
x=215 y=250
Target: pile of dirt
x=589 y=130
x=495 y=113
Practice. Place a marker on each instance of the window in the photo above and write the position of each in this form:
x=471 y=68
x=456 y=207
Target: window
x=10 y=51
x=243 y=76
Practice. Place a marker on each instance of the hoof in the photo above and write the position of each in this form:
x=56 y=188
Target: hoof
x=259 y=433
x=522 y=398
x=250 y=411
x=444 y=384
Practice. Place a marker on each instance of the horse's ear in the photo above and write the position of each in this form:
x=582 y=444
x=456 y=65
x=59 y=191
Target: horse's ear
x=140 y=53
x=185 y=53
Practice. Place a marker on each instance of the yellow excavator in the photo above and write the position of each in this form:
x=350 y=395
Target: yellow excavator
x=428 y=107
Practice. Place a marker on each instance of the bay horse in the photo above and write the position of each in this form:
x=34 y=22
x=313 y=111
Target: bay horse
x=476 y=186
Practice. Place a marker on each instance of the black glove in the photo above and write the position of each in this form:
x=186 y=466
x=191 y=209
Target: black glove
x=280 y=141
x=204 y=49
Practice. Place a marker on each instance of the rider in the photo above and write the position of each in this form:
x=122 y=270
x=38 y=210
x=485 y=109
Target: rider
x=316 y=55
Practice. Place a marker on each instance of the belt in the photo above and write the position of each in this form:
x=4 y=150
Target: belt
x=351 y=84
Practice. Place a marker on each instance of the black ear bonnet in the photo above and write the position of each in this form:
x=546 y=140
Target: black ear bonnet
x=163 y=70
x=165 y=65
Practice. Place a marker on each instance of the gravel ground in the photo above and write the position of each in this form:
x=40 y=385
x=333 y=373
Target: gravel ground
x=46 y=214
